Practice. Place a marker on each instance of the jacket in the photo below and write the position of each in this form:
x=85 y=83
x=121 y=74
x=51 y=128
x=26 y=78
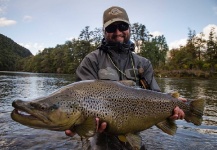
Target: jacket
x=112 y=63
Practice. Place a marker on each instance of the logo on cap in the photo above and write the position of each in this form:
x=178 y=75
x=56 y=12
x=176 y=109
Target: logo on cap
x=115 y=11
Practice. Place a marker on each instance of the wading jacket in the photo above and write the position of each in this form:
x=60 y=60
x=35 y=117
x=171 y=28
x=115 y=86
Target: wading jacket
x=116 y=63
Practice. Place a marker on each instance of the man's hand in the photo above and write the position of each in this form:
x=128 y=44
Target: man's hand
x=177 y=112
x=100 y=128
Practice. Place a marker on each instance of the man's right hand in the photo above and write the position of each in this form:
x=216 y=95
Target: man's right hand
x=100 y=128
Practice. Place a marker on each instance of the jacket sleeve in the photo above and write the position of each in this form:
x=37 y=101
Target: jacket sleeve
x=88 y=68
x=149 y=76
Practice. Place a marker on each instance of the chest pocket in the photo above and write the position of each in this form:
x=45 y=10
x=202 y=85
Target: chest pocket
x=131 y=74
x=108 y=74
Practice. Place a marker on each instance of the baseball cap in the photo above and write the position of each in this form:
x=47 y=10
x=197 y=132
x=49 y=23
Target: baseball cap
x=114 y=14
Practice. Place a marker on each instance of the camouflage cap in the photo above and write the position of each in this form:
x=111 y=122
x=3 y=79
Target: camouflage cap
x=114 y=14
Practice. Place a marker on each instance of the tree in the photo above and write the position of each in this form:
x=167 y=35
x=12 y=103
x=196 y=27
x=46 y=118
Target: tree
x=86 y=34
x=161 y=43
x=211 y=53
x=97 y=35
x=139 y=34
x=199 y=45
x=150 y=51
x=155 y=49
x=11 y=53
x=190 y=47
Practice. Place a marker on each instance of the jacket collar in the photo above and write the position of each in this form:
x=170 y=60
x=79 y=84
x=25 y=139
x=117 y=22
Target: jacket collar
x=116 y=46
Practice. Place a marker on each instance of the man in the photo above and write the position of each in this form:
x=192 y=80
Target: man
x=114 y=60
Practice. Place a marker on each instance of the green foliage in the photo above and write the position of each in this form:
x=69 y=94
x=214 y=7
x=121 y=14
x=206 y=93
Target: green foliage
x=211 y=53
x=155 y=50
x=215 y=66
x=61 y=59
x=206 y=66
x=199 y=64
x=198 y=53
x=11 y=53
x=150 y=50
x=139 y=34
x=148 y=46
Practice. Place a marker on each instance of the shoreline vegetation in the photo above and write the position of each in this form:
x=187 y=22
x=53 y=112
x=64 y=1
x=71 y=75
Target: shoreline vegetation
x=198 y=74
x=196 y=59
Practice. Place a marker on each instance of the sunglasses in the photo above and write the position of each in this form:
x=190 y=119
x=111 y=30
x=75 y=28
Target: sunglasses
x=113 y=27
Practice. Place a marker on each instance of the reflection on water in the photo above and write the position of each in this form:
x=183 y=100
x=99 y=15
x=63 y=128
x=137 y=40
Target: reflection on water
x=27 y=86
x=194 y=88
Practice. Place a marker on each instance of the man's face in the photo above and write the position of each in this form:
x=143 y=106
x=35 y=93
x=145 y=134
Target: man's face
x=117 y=32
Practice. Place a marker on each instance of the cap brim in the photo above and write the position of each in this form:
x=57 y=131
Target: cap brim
x=114 y=20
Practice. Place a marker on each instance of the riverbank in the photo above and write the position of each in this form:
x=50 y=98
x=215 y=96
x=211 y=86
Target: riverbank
x=185 y=74
x=158 y=73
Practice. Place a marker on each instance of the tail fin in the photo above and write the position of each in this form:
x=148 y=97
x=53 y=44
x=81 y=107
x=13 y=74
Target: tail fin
x=195 y=113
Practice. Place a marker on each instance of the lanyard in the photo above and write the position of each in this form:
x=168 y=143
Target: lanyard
x=132 y=63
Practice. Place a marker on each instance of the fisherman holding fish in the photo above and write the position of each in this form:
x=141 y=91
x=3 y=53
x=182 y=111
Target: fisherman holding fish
x=107 y=110
x=115 y=60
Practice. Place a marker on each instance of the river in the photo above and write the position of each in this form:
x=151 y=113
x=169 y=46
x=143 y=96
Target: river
x=27 y=86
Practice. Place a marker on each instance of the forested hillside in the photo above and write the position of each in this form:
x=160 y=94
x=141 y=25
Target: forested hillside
x=65 y=58
x=197 y=58
x=11 y=53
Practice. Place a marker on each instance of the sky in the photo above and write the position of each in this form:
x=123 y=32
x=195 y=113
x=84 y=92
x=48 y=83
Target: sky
x=39 y=24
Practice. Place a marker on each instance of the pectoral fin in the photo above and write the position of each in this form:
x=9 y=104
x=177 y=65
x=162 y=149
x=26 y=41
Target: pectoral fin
x=134 y=140
x=168 y=126
x=87 y=128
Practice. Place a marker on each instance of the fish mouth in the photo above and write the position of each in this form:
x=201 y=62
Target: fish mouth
x=26 y=115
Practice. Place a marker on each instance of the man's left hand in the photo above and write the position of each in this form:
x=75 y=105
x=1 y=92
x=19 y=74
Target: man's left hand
x=177 y=112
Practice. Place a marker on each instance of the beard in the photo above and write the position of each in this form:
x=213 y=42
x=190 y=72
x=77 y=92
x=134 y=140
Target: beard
x=121 y=38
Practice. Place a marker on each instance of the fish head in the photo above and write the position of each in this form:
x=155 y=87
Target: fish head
x=45 y=114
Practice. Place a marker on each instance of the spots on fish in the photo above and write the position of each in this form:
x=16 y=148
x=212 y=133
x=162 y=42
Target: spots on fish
x=111 y=101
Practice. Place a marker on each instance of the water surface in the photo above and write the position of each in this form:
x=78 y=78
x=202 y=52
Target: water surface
x=27 y=86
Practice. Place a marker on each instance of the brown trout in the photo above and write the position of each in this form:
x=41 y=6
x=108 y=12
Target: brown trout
x=126 y=109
